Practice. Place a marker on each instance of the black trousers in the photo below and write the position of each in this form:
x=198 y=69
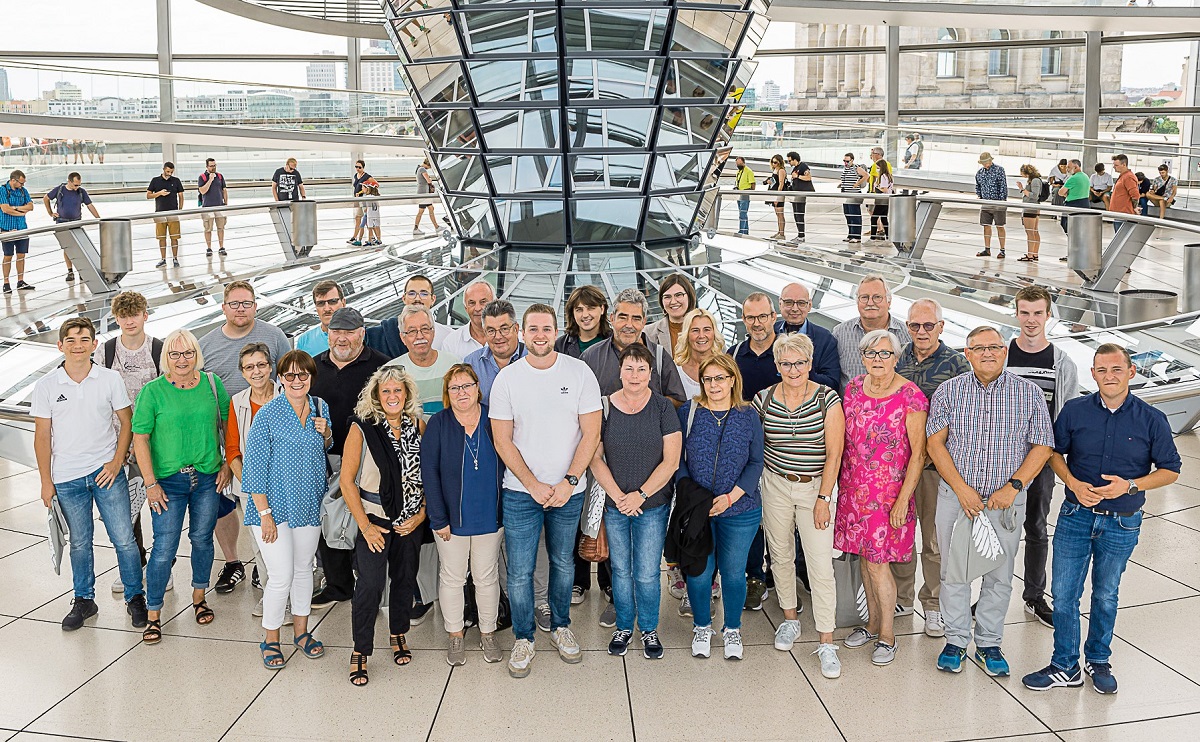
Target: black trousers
x=879 y=215
x=1037 y=542
x=1081 y=203
x=399 y=560
x=798 y=214
x=339 y=571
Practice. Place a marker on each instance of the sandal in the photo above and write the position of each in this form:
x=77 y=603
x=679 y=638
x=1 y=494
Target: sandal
x=1000 y=254
x=271 y=651
x=359 y=662
x=312 y=648
x=152 y=634
x=1027 y=258
x=984 y=253
x=204 y=614
x=400 y=652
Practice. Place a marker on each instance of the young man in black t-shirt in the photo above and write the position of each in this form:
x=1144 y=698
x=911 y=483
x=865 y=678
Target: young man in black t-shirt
x=167 y=192
x=799 y=179
x=287 y=183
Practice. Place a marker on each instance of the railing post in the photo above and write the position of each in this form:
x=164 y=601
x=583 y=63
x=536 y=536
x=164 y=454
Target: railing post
x=1191 y=278
x=1084 y=245
x=99 y=274
x=304 y=226
x=927 y=216
x=902 y=221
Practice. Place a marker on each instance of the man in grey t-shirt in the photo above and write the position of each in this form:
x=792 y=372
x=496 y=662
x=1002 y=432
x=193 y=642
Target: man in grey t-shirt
x=425 y=186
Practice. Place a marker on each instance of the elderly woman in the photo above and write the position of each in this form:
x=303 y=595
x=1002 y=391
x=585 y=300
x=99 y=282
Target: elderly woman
x=382 y=484
x=177 y=432
x=284 y=477
x=699 y=341
x=804 y=430
x=723 y=453
x=676 y=297
x=635 y=464
x=881 y=465
x=462 y=475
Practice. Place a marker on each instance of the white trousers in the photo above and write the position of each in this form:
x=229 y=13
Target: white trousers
x=481 y=554
x=289 y=562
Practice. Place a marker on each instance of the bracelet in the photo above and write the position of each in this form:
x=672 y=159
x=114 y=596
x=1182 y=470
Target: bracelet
x=151 y=486
x=263 y=513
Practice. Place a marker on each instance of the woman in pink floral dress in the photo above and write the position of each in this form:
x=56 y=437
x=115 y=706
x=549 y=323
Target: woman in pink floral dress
x=881 y=464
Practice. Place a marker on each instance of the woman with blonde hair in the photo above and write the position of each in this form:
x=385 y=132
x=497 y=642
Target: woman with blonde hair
x=382 y=485
x=1031 y=191
x=699 y=340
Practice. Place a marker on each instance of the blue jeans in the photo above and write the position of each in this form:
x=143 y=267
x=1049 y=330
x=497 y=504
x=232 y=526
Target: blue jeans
x=853 y=214
x=731 y=545
x=1105 y=542
x=635 y=546
x=76 y=498
x=197 y=494
x=523 y=521
x=743 y=216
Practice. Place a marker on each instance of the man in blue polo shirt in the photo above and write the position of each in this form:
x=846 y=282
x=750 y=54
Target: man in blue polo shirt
x=15 y=203
x=69 y=199
x=795 y=302
x=1110 y=447
x=503 y=345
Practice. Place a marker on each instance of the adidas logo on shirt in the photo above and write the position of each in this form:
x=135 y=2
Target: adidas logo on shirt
x=564 y=390
x=61 y=398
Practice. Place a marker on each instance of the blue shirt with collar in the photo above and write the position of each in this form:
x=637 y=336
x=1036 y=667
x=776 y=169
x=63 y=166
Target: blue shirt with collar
x=1128 y=442
x=486 y=368
x=826 y=365
x=14 y=197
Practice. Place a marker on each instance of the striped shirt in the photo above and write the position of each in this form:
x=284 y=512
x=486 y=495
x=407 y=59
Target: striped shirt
x=795 y=439
x=850 y=176
x=992 y=428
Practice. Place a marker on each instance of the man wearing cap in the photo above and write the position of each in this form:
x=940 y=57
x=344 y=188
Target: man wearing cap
x=342 y=372
x=991 y=184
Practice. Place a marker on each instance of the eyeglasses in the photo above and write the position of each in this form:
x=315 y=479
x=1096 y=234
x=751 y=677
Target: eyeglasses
x=871 y=355
x=788 y=366
x=294 y=375
x=719 y=379
x=847 y=162
x=249 y=304
x=327 y=302
x=871 y=298
x=260 y=366
x=797 y=303
x=985 y=350
x=418 y=294
x=675 y=296
x=758 y=318
x=426 y=330
x=175 y=355
x=926 y=326
x=461 y=388
x=500 y=331
x=358 y=167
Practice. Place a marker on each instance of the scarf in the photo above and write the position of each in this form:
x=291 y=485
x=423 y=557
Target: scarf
x=401 y=490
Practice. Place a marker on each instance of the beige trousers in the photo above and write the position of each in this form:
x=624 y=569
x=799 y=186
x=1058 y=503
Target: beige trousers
x=482 y=555
x=931 y=557
x=787 y=508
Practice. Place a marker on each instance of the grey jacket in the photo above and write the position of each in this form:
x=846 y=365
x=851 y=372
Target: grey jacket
x=1066 y=380
x=659 y=333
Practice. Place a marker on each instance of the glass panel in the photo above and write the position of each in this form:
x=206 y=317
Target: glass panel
x=509 y=31
x=679 y=170
x=462 y=173
x=526 y=174
x=439 y=82
x=515 y=80
x=426 y=36
x=412 y=7
x=509 y=129
x=537 y=286
x=597 y=29
x=474 y=219
x=700 y=80
x=711 y=31
x=684 y=125
x=590 y=264
x=451 y=129
x=670 y=216
x=539 y=221
x=606 y=220
x=607 y=172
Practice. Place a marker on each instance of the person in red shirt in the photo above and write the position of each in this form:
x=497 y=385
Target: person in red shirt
x=1125 y=192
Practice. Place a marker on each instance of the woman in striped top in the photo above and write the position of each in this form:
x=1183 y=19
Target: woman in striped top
x=853 y=177
x=804 y=431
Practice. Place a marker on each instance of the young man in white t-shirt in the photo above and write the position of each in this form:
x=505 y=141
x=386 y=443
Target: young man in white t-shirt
x=81 y=460
x=545 y=412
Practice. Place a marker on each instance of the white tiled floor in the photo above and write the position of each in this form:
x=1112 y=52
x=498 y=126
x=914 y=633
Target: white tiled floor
x=207 y=683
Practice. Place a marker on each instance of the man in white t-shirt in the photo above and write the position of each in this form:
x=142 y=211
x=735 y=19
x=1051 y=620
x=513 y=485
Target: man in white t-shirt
x=545 y=412
x=81 y=461
x=470 y=337
x=426 y=365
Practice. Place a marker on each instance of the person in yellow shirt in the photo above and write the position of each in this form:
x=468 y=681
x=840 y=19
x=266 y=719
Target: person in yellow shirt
x=745 y=182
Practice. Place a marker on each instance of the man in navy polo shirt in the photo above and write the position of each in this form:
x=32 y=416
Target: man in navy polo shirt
x=795 y=302
x=1110 y=447
x=69 y=199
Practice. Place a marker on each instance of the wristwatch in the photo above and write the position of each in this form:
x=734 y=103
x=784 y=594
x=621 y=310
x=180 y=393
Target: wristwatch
x=643 y=494
x=826 y=498
x=1017 y=484
x=572 y=480
x=1133 y=488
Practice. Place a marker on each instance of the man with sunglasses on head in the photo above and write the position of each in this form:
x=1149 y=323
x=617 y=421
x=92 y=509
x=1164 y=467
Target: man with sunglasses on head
x=928 y=363
x=795 y=302
x=874 y=313
x=220 y=348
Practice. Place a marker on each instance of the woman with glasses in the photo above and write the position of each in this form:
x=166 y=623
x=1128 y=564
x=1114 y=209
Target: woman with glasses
x=178 y=428
x=777 y=181
x=462 y=476
x=699 y=341
x=382 y=484
x=676 y=297
x=881 y=466
x=804 y=431
x=723 y=453
x=284 y=476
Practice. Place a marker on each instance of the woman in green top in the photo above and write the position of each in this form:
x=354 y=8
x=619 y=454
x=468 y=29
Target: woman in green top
x=177 y=434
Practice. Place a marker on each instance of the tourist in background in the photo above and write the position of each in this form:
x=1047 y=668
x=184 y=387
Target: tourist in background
x=1031 y=193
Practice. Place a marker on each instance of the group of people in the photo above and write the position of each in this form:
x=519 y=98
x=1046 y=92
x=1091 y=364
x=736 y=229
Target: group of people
x=47 y=151
x=473 y=461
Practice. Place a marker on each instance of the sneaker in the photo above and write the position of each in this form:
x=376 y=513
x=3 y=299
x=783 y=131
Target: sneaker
x=255 y=582
x=883 y=654
x=161 y=264
x=170 y=584
x=351 y=241
x=564 y=641
x=356 y=243
x=733 y=643
x=676 y=585
x=608 y=618
x=716 y=589
x=860 y=637
x=231 y=574
x=81 y=610
x=7 y=289
x=520 y=659
x=685 y=606
x=831 y=666
x=419 y=612
x=541 y=616
x=456 y=654
x=118 y=587
x=418 y=231
x=786 y=635
x=934 y=625
x=257 y=611
x=208 y=252
x=136 y=608
x=902 y=610
x=652 y=648
x=756 y=592
x=491 y=653
x=950 y=660
x=1101 y=675
x=70 y=276
x=288 y=618
x=1052 y=677
x=1043 y=612
x=578 y=595
x=22 y=286
x=620 y=642
x=323 y=600
x=991 y=659
x=222 y=252
x=175 y=262
x=702 y=641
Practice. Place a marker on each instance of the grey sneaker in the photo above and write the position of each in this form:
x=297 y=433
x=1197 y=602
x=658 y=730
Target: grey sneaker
x=491 y=653
x=564 y=641
x=860 y=637
x=831 y=666
x=786 y=635
x=934 y=625
x=521 y=658
x=118 y=587
x=883 y=654
x=541 y=616
x=578 y=595
x=608 y=618
x=733 y=643
x=257 y=611
x=456 y=654
x=685 y=606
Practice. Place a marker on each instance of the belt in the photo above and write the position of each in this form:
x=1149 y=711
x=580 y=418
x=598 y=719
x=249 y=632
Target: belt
x=794 y=477
x=1110 y=513
x=188 y=470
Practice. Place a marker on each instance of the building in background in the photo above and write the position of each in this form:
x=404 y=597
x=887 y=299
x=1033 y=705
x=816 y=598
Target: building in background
x=5 y=94
x=325 y=74
x=771 y=95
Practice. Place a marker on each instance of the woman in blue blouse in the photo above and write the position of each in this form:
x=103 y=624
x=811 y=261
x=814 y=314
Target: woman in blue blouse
x=723 y=452
x=462 y=476
x=283 y=471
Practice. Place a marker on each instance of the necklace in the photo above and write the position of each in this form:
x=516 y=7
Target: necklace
x=473 y=451
x=185 y=384
x=793 y=421
x=720 y=420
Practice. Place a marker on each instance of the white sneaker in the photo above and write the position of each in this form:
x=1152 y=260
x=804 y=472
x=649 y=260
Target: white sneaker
x=702 y=641
x=118 y=586
x=934 y=625
x=786 y=635
x=685 y=606
x=417 y=230
x=733 y=643
x=676 y=585
x=258 y=609
x=831 y=666
x=568 y=648
x=521 y=658
x=903 y=610
x=171 y=582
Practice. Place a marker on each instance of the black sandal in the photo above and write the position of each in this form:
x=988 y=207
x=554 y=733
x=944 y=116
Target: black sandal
x=1028 y=258
x=359 y=662
x=204 y=614
x=152 y=634
x=400 y=650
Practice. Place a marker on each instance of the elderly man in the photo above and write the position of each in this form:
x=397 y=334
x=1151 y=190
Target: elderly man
x=327 y=299
x=467 y=339
x=628 y=319
x=795 y=303
x=989 y=434
x=1109 y=448
x=503 y=345
x=426 y=365
x=991 y=184
x=388 y=336
x=928 y=363
x=874 y=313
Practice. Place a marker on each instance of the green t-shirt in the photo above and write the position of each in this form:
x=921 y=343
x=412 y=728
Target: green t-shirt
x=182 y=424
x=429 y=380
x=1077 y=186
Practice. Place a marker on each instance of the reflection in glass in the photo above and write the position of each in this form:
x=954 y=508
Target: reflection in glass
x=670 y=216
x=602 y=29
x=608 y=172
x=508 y=80
x=606 y=219
x=519 y=129
x=526 y=174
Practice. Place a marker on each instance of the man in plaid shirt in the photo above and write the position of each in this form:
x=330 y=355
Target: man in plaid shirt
x=989 y=434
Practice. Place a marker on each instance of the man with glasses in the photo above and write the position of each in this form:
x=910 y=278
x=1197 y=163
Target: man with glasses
x=928 y=363
x=167 y=192
x=852 y=181
x=989 y=435
x=423 y=362
x=220 y=349
x=795 y=303
x=874 y=313
x=470 y=337
x=15 y=203
x=327 y=299
x=503 y=345
x=68 y=199
x=213 y=193
x=361 y=176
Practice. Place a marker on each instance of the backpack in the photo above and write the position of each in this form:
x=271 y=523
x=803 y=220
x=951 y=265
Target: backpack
x=110 y=352
x=1045 y=192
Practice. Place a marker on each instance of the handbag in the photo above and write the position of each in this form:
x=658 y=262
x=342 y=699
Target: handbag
x=594 y=549
x=851 y=602
x=593 y=541
x=60 y=534
x=338 y=527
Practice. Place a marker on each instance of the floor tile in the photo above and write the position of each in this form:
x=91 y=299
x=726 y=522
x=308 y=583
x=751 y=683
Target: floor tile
x=30 y=518
x=29 y=580
x=1143 y=627
x=1170 y=549
x=9 y=468
x=1189 y=517
x=1176 y=727
x=1171 y=498
x=14 y=541
x=19 y=489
